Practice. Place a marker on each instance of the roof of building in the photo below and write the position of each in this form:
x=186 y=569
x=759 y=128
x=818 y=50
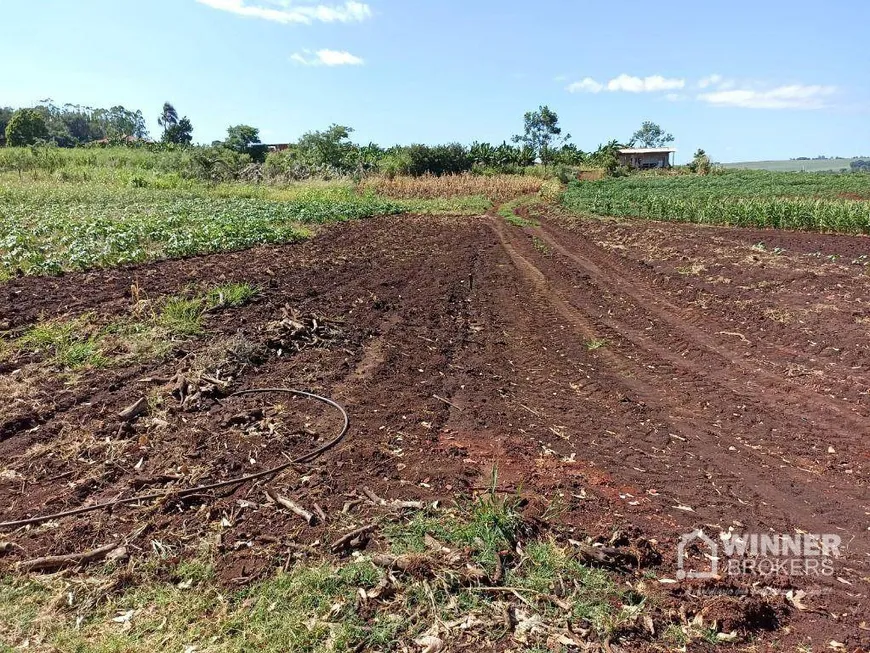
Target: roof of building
x=647 y=150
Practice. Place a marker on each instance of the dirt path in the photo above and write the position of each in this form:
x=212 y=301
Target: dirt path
x=632 y=376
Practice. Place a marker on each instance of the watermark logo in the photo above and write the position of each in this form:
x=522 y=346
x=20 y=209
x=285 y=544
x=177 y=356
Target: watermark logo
x=735 y=554
x=709 y=549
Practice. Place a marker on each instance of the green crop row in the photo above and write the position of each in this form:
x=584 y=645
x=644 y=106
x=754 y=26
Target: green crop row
x=744 y=199
x=52 y=228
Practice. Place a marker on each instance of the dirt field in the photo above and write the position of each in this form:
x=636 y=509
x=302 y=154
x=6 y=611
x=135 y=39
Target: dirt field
x=637 y=377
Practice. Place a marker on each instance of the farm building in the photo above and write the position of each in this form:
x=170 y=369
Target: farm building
x=646 y=157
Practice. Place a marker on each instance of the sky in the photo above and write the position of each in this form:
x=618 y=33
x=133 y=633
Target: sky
x=766 y=79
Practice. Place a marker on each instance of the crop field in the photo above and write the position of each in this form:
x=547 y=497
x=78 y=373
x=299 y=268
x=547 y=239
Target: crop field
x=539 y=390
x=46 y=230
x=744 y=199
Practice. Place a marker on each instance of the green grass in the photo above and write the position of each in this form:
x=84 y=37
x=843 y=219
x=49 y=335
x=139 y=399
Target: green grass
x=231 y=295
x=486 y=526
x=508 y=211
x=595 y=343
x=739 y=198
x=315 y=606
x=69 y=344
x=309 y=609
x=81 y=342
x=182 y=316
x=541 y=246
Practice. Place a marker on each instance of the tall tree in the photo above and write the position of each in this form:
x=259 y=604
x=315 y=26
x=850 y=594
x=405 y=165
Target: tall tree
x=651 y=135
x=181 y=133
x=542 y=133
x=118 y=122
x=246 y=140
x=167 y=118
x=5 y=117
x=26 y=127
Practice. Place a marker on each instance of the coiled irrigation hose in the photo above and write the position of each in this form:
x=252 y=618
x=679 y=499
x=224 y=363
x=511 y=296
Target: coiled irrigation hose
x=308 y=457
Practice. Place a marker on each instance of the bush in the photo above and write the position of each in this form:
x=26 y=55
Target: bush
x=330 y=150
x=286 y=166
x=451 y=159
x=700 y=163
x=395 y=163
x=214 y=164
x=26 y=127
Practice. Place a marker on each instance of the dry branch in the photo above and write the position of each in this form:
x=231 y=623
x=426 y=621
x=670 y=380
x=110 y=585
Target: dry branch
x=394 y=503
x=347 y=540
x=449 y=403
x=310 y=518
x=56 y=562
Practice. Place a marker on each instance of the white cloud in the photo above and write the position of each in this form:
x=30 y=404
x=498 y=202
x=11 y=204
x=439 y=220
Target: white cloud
x=587 y=85
x=326 y=58
x=716 y=90
x=795 y=96
x=644 y=84
x=291 y=11
x=628 y=83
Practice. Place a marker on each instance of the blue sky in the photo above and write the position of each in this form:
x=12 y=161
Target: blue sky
x=744 y=80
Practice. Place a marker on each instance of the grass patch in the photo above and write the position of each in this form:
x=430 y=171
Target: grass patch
x=510 y=211
x=231 y=295
x=71 y=344
x=541 y=246
x=182 y=316
x=317 y=606
x=485 y=526
x=81 y=343
x=515 y=220
x=595 y=343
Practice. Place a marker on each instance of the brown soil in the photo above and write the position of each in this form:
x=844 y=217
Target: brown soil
x=641 y=377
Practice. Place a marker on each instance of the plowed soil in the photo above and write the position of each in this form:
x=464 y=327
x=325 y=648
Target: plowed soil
x=642 y=376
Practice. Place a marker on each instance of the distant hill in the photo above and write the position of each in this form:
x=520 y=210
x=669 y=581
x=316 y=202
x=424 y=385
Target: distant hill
x=793 y=165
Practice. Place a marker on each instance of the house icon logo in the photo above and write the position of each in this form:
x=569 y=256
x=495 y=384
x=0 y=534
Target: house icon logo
x=703 y=542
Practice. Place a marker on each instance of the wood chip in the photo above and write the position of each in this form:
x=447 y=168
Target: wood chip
x=134 y=410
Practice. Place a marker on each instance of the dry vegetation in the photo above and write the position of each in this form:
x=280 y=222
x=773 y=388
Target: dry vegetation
x=496 y=188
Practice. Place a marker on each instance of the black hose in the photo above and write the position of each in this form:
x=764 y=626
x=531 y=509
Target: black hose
x=308 y=457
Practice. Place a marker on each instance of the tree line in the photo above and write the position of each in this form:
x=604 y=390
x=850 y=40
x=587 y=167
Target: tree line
x=75 y=125
x=326 y=152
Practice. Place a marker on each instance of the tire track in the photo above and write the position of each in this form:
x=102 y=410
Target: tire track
x=744 y=478
x=757 y=383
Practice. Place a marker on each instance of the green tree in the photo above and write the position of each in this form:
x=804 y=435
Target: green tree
x=245 y=140
x=180 y=133
x=651 y=135
x=118 y=123
x=5 y=117
x=167 y=118
x=331 y=147
x=26 y=127
x=542 y=133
